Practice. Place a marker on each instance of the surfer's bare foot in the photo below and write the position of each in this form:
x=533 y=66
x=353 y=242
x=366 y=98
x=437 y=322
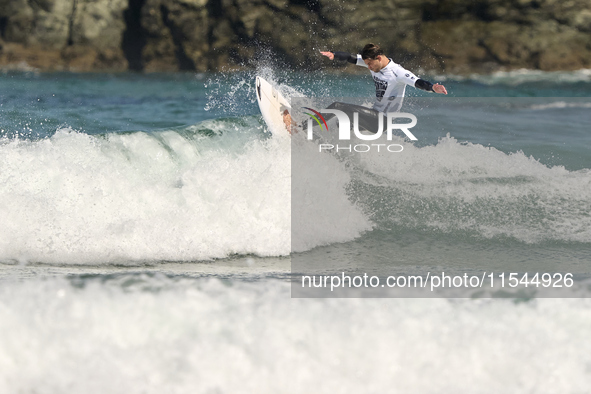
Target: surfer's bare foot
x=288 y=122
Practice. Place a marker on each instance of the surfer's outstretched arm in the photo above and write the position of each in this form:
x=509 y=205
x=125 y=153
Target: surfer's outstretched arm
x=345 y=56
x=416 y=82
x=429 y=87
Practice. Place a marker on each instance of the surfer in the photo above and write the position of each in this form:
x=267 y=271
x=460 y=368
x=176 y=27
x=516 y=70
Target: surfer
x=390 y=80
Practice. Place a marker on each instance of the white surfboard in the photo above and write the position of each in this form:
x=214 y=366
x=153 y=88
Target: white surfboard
x=273 y=106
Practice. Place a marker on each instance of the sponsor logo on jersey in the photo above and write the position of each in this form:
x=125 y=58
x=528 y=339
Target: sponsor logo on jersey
x=381 y=87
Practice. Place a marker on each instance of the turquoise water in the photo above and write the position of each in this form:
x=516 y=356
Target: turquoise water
x=148 y=219
x=101 y=166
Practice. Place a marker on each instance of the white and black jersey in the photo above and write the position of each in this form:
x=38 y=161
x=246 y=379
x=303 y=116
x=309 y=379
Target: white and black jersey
x=390 y=82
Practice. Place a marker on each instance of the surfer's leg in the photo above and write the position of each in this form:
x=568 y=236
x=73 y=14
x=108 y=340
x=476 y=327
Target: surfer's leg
x=368 y=118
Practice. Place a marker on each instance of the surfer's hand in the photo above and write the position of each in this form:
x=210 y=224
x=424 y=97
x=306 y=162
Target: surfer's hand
x=437 y=88
x=329 y=55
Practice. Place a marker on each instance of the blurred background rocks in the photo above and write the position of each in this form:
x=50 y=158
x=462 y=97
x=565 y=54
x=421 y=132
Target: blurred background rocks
x=453 y=36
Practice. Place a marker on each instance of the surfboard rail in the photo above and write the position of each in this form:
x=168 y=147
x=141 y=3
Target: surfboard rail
x=275 y=108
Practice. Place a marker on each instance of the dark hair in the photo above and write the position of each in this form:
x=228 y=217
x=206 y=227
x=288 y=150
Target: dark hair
x=371 y=51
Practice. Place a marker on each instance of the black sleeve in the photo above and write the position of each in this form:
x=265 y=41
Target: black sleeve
x=424 y=85
x=351 y=58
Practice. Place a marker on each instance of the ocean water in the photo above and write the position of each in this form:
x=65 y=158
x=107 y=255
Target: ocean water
x=146 y=237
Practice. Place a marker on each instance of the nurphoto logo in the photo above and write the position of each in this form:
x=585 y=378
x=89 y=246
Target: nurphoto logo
x=344 y=129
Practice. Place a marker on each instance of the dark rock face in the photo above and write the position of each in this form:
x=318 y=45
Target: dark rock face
x=198 y=35
x=544 y=34
x=63 y=34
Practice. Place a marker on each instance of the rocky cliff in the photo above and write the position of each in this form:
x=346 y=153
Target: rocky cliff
x=198 y=35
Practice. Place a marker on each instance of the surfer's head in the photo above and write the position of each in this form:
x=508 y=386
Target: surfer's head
x=371 y=51
x=374 y=57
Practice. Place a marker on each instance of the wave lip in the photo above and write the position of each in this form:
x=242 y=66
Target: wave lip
x=517 y=77
x=560 y=105
x=461 y=188
x=166 y=196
